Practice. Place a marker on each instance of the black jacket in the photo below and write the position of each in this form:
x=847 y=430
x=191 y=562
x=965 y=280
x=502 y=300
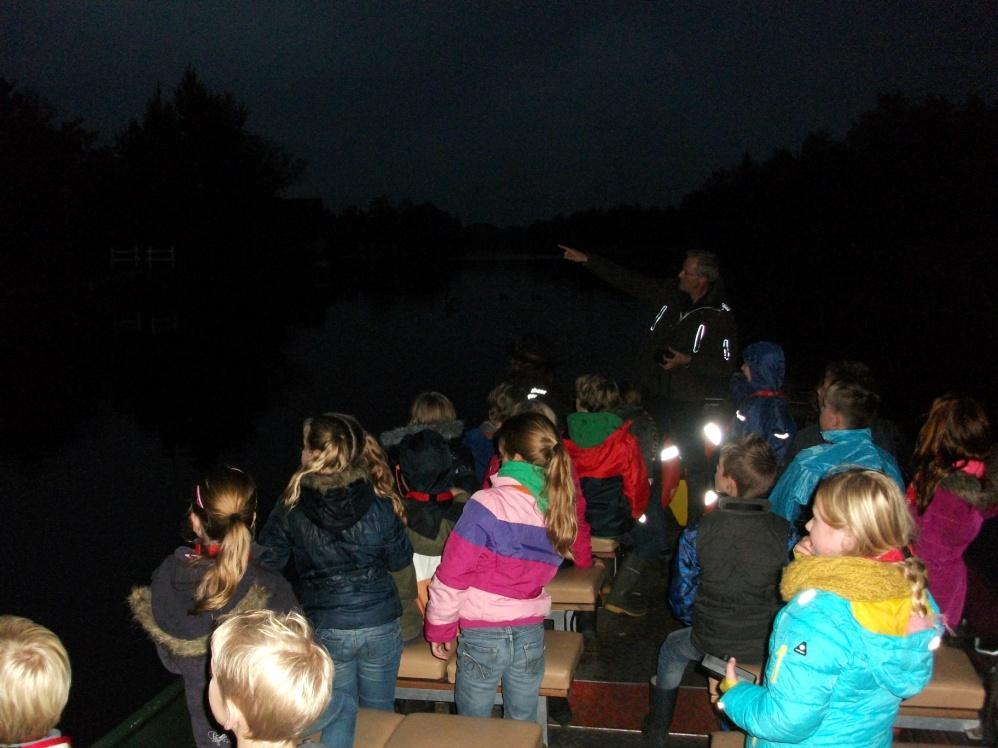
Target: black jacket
x=704 y=331
x=344 y=540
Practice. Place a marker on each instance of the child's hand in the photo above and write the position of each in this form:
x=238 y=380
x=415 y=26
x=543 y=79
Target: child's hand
x=729 y=671
x=442 y=650
x=804 y=547
x=573 y=255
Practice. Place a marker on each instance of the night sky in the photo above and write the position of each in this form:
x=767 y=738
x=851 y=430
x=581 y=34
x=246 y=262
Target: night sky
x=508 y=112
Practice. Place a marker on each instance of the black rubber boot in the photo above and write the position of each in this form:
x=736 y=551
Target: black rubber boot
x=662 y=703
x=621 y=599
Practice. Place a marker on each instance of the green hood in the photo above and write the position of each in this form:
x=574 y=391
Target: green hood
x=592 y=429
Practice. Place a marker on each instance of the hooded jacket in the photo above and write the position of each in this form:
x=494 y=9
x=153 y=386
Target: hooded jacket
x=845 y=448
x=611 y=471
x=841 y=658
x=705 y=331
x=344 y=540
x=163 y=611
x=960 y=504
x=462 y=459
x=762 y=407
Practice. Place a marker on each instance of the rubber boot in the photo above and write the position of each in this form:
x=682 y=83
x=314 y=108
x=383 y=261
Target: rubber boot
x=621 y=599
x=662 y=703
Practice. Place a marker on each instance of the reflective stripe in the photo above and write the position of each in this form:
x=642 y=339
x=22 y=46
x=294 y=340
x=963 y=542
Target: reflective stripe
x=658 y=317
x=701 y=331
x=780 y=654
x=739 y=416
x=726 y=348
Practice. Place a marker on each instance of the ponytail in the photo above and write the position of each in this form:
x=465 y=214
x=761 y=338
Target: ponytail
x=914 y=574
x=561 y=519
x=225 y=504
x=223 y=576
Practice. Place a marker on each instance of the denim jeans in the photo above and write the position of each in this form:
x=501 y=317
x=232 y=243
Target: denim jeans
x=486 y=656
x=367 y=665
x=651 y=537
x=677 y=651
x=338 y=721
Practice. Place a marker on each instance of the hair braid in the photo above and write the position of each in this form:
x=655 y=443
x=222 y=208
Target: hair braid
x=914 y=574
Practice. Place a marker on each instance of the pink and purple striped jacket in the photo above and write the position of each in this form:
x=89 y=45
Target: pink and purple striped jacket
x=495 y=565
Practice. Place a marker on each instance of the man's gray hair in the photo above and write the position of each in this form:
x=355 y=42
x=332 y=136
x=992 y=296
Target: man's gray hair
x=708 y=267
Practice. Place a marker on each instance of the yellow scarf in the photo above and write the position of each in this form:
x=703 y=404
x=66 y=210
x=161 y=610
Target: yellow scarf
x=879 y=595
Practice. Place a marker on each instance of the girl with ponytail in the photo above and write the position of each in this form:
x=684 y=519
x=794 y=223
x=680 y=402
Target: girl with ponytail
x=508 y=544
x=195 y=586
x=857 y=633
x=341 y=523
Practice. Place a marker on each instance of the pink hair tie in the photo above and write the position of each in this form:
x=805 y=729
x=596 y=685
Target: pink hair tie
x=971 y=467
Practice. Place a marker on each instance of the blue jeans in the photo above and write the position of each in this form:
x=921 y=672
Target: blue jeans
x=486 y=656
x=367 y=665
x=338 y=722
x=678 y=651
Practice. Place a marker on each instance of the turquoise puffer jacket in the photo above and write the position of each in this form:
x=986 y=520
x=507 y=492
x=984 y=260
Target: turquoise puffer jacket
x=830 y=681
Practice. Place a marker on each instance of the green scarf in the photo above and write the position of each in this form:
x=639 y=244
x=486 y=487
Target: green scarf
x=530 y=477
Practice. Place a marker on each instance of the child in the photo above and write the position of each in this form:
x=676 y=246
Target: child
x=34 y=684
x=847 y=405
x=615 y=481
x=269 y=681
x=729 y=566
x=857 y=633
x=432 y=507
x=953 y=493
x=435 y=412
x=342 y=522
x=507 y=545
x=480 y=440
x=757 y=391
x=194 y=587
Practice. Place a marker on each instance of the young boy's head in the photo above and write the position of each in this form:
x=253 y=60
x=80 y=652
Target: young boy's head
x=502 y=400
x=595 y=393
x=746 y=468
x=847 y=403
x=270 y=680
x=34 y=680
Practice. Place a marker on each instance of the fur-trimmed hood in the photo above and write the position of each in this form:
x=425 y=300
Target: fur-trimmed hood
x=981 y=492
x=140 y=601
x=449 y=430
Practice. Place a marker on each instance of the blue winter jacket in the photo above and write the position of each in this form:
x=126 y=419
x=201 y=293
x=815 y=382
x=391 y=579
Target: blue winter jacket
x=846 y=448
x=344 y=540
x=762 y=407
x=830 y=681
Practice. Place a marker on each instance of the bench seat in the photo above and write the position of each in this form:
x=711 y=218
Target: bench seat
x=378 y=729
x=951 y=701
x=573 y=590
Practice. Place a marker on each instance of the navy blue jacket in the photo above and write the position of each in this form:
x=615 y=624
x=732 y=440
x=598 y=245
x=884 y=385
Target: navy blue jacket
x=761 y=405
x=344 y=540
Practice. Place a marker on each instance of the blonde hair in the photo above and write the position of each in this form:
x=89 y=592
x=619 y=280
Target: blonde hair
x=268 y=666
x=533 y=437
x=870 y=507
x=596 y=393
x=536 y=406
x=430 y=408
x=34 y=680
x=225 y=503
x=339 y=444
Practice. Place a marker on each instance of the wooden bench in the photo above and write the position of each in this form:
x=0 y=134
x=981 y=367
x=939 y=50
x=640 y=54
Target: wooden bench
x=377 y=729
x=574 y=590
x=606 y=549
x=422 y=680
x=953 y=699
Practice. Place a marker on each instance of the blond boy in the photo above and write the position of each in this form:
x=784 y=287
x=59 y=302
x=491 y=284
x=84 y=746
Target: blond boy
x=270 y=680
x=34 y=684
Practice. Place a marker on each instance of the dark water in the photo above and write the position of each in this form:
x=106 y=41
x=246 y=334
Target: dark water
x=104 y=426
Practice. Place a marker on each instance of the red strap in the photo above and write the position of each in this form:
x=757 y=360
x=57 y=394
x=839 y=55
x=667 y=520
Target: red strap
x=767 y=393
x=49 y=742
x=421 y=496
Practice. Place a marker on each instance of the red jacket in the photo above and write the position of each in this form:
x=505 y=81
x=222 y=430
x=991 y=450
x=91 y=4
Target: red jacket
x=618 y=454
